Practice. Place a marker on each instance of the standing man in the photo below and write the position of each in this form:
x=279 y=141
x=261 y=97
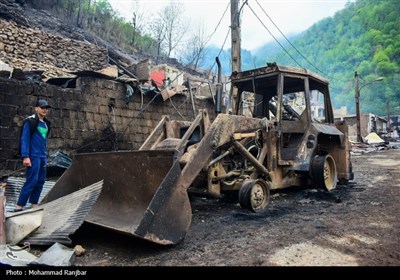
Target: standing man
x=33 y=144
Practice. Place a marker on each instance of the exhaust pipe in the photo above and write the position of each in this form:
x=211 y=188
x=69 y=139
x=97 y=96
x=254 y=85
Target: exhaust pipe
x=218 y=94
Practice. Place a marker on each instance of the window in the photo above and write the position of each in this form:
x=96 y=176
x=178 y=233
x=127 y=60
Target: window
x=317 y=101
x=293 y=100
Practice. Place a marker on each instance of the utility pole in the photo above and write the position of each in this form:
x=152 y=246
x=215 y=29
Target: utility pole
x=235 y=36
x=235 y=48
x=388 y=116
x=357 y=93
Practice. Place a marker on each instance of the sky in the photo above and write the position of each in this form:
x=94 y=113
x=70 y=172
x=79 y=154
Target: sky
x=290 y=16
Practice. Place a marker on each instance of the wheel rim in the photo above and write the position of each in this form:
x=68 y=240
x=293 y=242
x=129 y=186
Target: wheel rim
x=329 y=173
x=257 y=196
x=324 y=172
x=254 y=195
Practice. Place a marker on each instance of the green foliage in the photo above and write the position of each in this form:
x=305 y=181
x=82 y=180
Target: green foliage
x=363 y=37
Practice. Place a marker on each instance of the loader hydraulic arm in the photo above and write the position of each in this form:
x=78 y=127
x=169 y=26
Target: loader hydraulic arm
x=220 y=133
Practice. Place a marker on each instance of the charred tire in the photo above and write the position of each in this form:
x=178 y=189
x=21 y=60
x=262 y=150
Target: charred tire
x=324 y=172
x=254 y=195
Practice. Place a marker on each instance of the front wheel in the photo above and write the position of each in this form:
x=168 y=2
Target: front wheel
x=254 y=195
x=324 y=172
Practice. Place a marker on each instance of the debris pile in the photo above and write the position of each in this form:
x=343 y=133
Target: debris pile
x=48 y=224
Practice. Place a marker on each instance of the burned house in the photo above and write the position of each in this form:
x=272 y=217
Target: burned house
x=368 y=123
x=99 y=103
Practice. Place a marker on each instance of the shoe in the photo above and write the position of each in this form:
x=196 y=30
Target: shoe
x=17 y=210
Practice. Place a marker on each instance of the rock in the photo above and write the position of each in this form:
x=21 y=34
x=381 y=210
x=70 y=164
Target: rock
x=79 y=250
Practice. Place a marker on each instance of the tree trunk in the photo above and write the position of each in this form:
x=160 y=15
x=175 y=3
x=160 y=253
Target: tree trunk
x=78 y=18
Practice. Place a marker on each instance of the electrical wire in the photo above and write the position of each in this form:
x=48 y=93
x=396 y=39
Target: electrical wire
x=219 y=53
x=218 y=24
x=274 y=37
x=289 y=40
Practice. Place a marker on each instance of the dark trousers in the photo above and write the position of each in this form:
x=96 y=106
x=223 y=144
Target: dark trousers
x=35 y=177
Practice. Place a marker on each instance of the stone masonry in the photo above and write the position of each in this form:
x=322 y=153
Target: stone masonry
x=33 y=49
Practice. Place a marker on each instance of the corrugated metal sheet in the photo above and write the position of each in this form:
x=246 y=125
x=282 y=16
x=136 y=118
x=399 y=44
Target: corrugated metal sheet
x=14 y=186
x=63 y=216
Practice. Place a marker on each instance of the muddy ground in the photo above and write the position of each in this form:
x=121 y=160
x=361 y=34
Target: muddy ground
x=355 y=225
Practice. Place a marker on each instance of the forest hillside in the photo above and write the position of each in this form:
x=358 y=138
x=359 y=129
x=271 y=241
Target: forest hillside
x=363 y=37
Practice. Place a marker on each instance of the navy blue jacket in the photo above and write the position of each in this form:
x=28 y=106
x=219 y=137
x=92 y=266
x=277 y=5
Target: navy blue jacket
x=33 y=141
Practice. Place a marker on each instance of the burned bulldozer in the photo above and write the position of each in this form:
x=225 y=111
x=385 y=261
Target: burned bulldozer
x=280 y=133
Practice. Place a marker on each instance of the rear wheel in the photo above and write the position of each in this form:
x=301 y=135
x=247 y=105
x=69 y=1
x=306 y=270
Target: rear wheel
x=324 y=172
x=254 y=195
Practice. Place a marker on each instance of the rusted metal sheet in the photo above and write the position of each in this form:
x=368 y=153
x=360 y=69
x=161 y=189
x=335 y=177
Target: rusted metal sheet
x=63 y=216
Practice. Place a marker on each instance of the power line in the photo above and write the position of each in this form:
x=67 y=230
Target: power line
x=274 y=37
x=218 y=24
x=289 y=40
x=220 y=50
x=212 y=34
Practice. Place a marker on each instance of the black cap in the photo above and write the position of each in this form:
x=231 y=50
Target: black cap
x=42 y=103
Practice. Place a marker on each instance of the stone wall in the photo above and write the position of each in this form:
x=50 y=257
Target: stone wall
x=91 y=117
x=33 y=49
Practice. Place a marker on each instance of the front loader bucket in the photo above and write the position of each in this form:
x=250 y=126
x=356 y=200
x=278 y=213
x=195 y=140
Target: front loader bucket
x=139 y=195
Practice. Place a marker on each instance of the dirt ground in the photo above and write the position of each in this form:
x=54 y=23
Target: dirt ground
x=355 y=225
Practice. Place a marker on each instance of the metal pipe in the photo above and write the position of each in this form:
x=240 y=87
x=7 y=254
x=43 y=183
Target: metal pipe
x=227 y=175
x=191 y=97
x=218 y=101
x=219 y=158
